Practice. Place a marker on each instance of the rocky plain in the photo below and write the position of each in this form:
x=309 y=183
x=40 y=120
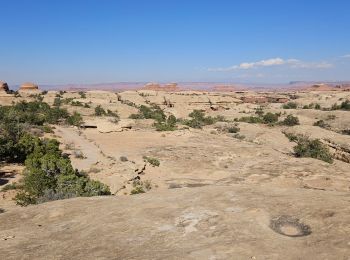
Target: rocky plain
x=222 y=181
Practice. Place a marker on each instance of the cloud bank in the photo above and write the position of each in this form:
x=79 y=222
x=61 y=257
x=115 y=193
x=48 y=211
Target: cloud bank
x=292 y=63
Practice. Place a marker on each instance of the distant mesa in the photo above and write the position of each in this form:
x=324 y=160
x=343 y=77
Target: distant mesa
x=224 y=88
x=30 y=87
x=157 y=87
x=4 y=87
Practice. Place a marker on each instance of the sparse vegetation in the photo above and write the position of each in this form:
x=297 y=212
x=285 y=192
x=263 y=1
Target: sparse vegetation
x=198 y=119
x=270 y=118
x=141 y=186
x=321 y=124
x=290 y=105
x=82 y=94
x=312 y=148
x=345 y=105
x=291 y=120
x=99 y=111
x=152 y=161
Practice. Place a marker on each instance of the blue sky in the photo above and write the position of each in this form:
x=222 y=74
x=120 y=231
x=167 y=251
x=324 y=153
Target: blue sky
x=94 y=41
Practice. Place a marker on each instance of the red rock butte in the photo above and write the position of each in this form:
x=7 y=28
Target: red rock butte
x=28 y=86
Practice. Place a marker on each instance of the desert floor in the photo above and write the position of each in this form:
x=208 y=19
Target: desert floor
x=215 y=195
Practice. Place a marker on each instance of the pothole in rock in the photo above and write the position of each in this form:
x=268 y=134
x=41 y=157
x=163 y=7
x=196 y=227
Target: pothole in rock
x=289 y=226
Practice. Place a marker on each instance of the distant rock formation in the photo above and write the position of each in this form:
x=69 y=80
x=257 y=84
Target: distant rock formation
x=4 y=87
x=170 y=87
x=29 y=87
x=224 y=88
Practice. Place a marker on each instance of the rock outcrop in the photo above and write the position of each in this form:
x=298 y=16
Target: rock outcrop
x=4 y=87
x=29 y=87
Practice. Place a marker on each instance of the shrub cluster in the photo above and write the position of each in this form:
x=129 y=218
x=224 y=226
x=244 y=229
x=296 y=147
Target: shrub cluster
x=151 y=160
x=268 y=118
x=198 y=119
x=48 y=171
x=291 y=120
x=162 y=122
x=345 y=105
x=321 y=124
x=312 y=148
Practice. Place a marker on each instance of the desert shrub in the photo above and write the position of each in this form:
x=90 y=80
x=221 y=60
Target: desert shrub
x=291 y=120
x=346 y=132
x=317 y=106
x=270 y=118
x=137 y=190
x=47 y=169
x=11 y=186
x=86 y=105
x=345 y=105
x=141 y=186
x=312 y=148
x=198 y=119
x=259 y=111
x=76 y=103
x=46 y=128
x=153 y=112
x=123 y=158
x=251 y=119
x=82 y=94
x=57 y=102
x=233 y=129
x=321 y=124
x=290 y=105
x=76 y=119
x=152 y=161
x=291 y=137
x=168 y=125
x=99 y=111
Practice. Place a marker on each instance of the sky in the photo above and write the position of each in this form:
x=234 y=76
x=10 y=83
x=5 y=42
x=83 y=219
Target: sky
x=101 y=41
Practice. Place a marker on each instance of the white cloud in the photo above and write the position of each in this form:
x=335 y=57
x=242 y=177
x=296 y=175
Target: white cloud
x=346 y=56
x=293 y=63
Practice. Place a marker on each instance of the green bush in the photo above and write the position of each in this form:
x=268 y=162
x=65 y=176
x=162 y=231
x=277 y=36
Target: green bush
x=168 y=125
x=47 y=169
x=291 y=120
x=251 y=119
x=345 y=105
x=290 y=105
x=153 y=112
x=99 y=111
x=270 y=118
x=82 y=94
x=312 y=148
x=76 y=119
x=233 y=129
x=198 y=119
x=151 y=160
